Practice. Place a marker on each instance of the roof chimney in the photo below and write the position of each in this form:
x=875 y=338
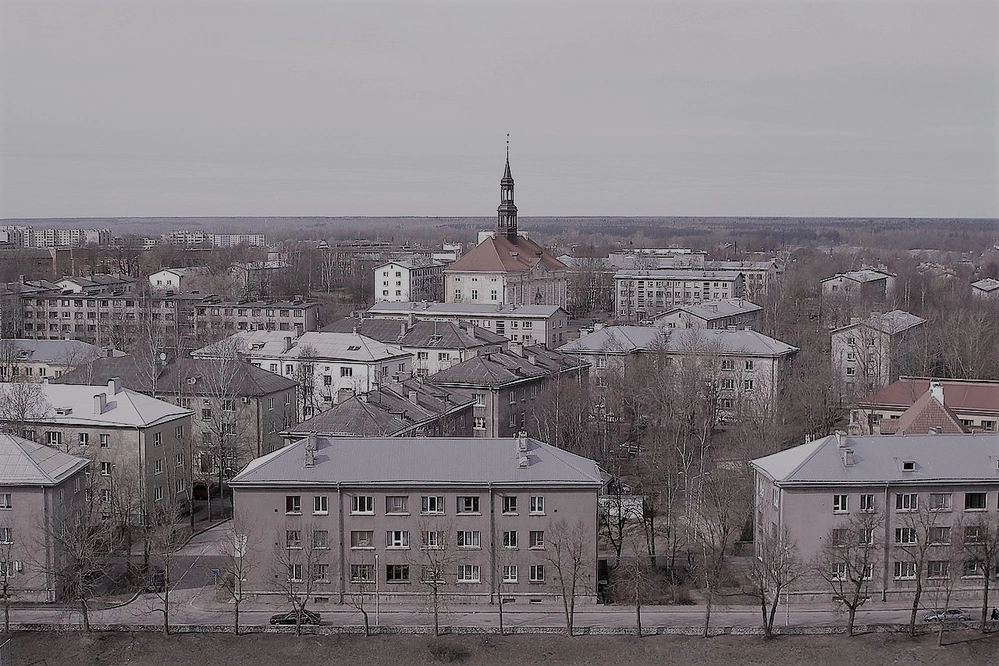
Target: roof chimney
x=848 y=459
x=412 y=396
x=936 y=390
x=100 y=403
x=287 y=343
x=114 y=385
x=310 y=449
x=841 y=439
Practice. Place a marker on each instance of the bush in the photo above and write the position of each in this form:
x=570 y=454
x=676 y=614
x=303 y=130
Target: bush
x=447 y=651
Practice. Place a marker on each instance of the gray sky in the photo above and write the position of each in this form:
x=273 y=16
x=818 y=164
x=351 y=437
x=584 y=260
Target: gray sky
x=695 y=107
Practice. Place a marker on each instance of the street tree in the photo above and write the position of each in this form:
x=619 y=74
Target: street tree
x=846 y=562
x=569 y=554
x=302 y=563
x=981 y=554
x=239 y=560
x=437 y=555
x=774 y=567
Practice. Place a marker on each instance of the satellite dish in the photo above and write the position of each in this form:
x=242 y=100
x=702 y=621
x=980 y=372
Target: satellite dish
x=163 y=356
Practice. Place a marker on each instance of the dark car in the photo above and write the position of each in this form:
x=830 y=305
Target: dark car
x=290 y=617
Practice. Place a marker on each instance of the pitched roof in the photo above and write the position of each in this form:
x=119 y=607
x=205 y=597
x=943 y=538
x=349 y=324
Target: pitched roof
x=497 y=254
x=322 y=345
x=614 y=339
x=879 y=458
x=25 y=463
x=74 y=404
x=462 y=309
x=986 y=284
x=679 y=274
x=679 y=341
x=959 y=394
x=506 y=367
x=417 y=460
x=896 y=321
x=422 y=333
x=927 y=412
x=711 y=310
x=181 y=375
x=66 y=352
x=863 y=275
x=386 y=411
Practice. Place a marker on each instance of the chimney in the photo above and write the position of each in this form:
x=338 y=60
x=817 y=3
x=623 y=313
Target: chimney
x=412 y=396
x=532 y=359
x=287 y=343
x=848 y=459
x=841 y=439
x=936 y=390
x=402 y=328
x=114 y=385
x=310 y=450
x=517 y=348
x=100 y=403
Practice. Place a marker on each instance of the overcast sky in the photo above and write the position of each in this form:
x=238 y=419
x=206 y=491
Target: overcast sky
x=695 y=107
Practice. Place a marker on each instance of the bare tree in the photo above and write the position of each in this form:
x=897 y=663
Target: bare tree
x=436 y=557
x=981 y=548
x=846 y=562
x=914 y=541
x=163 y=537
x=569 y=553
x=239 y=562
x=773 y=569
x=302 y=565
x=21 y=404
x=361 y=579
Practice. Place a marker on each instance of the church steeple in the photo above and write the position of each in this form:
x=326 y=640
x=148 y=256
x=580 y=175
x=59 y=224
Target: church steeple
x=507 y=212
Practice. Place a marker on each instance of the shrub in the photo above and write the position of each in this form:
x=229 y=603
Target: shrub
x=447 y=651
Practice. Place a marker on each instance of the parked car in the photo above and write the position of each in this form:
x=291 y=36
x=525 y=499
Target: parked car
x=289 y=617
x=949 y=615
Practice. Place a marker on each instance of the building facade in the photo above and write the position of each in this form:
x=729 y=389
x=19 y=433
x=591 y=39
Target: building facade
x=732 y=313
x=974 y=402
x=867 y=355
x=405 y=280
x=641 y=294
x=38 y=360
x=867 y=284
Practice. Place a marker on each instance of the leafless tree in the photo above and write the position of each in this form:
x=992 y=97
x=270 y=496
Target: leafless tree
x=302 y=565
x=163 y=538
x=361 y=580
x=981 y=547
x=437 y=556
x=569 y=553
x=21 y=404
x=846 y=562
x=239 y=560
x=774 y=567
x=915 y=539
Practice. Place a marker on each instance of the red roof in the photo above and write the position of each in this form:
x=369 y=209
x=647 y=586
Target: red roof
x=497 y=254
x=959 y=394
x=925 y=413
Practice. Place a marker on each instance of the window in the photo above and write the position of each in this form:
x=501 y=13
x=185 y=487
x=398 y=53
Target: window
x=180 y=459
x=84 y=439
x=53 y=438
x=346 y=372
x=510 y=539
x=510 y=504
x=867 y=503
x=295 y=573
x=293 y=539
x=361 y=573
x=431 y=575
x=479 y=423
x=106 y=495
x=749 y=364
x=840 y=537
x=867 y=537
x=537 y=574
x=537 y=505
x=974 y=501
x=727 y=364
x=158 y=493
x=293 y=504
x=469 y=539
x=468 y=573
x=939 y=535
x=321 y=572
x=180 y=486
x=397 y=573
x=510 y=573
x=321 y=539
x=748 y=385
x=362 y=504
x=432 y=540
x=840 y=504
x=973 y=569
x=6 y=535
x=397 y=539
x=320 y=504
x=179 y=432
x=536 y=539
x=905 y=536
x=940 y=501
x=5 y=501
x=838 y=571
x=158 y=466
x=361 y=539
x=105 y=469
x=908 y=465
x=905 y=570
x=469 y=504
x=398 y=504
x=974 y=534
x=432 y=505
x=906 y=502
x=728 y=384
x=937 y=569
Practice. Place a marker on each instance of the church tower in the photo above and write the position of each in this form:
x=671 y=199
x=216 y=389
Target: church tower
x=507 y=211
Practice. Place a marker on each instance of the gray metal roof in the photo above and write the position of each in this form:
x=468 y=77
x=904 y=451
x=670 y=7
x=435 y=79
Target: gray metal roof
x=879 y=458
x=24 y=463
x=507 y=367
x=891 y=323
x=615 y=340
x=711 y=310
x=863 y=275
x=324 y=346
x=678 y=341
x=422 y=333
x=675 y=274
x=986 y=284
x=67 y=352
x=414 y=460
x=462 y=309
x=74 y=404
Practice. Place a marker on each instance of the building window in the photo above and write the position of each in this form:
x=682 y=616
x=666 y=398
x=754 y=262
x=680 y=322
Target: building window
x=105 y=469
x=364 y=504
x=158 y=466
x=179 y=432
x=468 y=504
x=940 y=501
x=867 y=503
x=180 y=485
x=432 y=540
x=510 y=504
x=361 y=539
x=840 y=503
x=905 y=570
x=478 y=423
x=397 y=504
x=361 y=573
x=293 y=504
x=974 y=534
x=840 y=537
x=397 y=573
x=838 y=571
x=293 y=539
x=974 y=502
x=53 y=438
x=749 y=364
x=158 y=493
x=938 y=569
x=320 y=505
x=939 y=535
x=295 y=573
x=397 y=539
x=748 y=384
x=973 y=569
x=536 y=539
x=346 y=372
x=510 y=573
x=5 y=501
x=469 y=539
x=321 y=539
x=468 y=573
x=432 y=505
x=905 y=536
x=906 y=502
x=537 y=505
x=537 y=574
x=6 y=535
x=510 y=539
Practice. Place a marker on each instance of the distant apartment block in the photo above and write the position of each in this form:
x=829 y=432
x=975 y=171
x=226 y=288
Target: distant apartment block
x=28 y=236
x=482 y=517
x=38 y=360
x=973 y=402
x=203 y=239
x=867 y=284
x=985 y=288
x=869 y=354
x=731 y=313
x=528 y=324
x=405 y=280
x=176 y=279
x=641 y=294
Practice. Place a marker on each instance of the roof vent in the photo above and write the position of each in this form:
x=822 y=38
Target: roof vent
x=908 y=465
x=935 y=430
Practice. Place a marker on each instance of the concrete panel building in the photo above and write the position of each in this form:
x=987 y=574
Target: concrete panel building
x=869 y=354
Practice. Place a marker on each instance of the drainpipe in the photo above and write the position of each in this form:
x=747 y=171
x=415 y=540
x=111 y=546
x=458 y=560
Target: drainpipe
x=884 y=573
x=339 y=509
x=493 y=590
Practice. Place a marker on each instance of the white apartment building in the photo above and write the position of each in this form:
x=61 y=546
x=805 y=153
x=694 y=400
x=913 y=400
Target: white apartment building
x=176 y=279
x=736 y=312
x=640 y=294
x=868 y=355
x=404 y=280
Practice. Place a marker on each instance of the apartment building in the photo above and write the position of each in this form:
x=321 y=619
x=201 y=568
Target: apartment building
x=404 y=408
x=137 y=443
x=640 y=294
x=323 y=364
x=731 y=313
x=527 y=324
x=393 y=517
x=203 y=239
x=869 y=354
x=238 y=409
x=867 y=284
x=27 y=236
x=937 y=492
x=973 y=402
x=985 y=288
x=413 y=279
x=37 y=360
x=506 y=385
x=435 y=345
x=41 y=490
x=177 y=279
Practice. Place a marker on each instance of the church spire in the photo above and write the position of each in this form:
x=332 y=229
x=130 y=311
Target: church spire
x=507 y=212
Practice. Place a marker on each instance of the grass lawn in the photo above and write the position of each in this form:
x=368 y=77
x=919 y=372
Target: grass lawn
x=98 y=649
